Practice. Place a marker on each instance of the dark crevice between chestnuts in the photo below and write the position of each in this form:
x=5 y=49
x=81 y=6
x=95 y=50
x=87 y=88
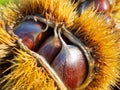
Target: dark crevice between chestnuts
x=67 y=55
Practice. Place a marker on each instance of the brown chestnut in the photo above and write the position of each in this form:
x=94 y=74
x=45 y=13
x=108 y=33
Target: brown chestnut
x=102 y=5
x=28 y=40
x=70 y=65
x=50 y=48
x=29 y=31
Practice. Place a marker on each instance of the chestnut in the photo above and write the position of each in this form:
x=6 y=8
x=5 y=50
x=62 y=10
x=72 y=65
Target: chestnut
x=102 y=5
x=27 y=39
x=70 y=65
x=50 y=48
x=30 y=32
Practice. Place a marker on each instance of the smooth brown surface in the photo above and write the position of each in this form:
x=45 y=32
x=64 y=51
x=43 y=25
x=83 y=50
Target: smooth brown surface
x=50 y=48
x=102 y=5
x=29 y=31
x=70 y=66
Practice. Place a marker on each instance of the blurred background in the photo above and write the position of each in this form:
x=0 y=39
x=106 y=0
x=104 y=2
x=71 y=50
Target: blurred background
x=5 y=1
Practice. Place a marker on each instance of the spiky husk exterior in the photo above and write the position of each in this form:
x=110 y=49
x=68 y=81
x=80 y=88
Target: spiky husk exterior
x=18 y=70
x=51 y=10
x=115 y=13
x=88 y=27
x=104 y=46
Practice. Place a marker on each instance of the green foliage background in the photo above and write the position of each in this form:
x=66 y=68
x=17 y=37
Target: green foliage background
x=5 y=1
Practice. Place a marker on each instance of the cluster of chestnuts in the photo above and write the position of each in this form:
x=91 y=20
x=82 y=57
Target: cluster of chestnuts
x=64 y=56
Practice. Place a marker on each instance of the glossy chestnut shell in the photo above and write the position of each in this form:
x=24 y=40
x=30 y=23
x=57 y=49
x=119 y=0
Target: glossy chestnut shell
x=102 y=5
x=29 y=32
x=50 y=48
